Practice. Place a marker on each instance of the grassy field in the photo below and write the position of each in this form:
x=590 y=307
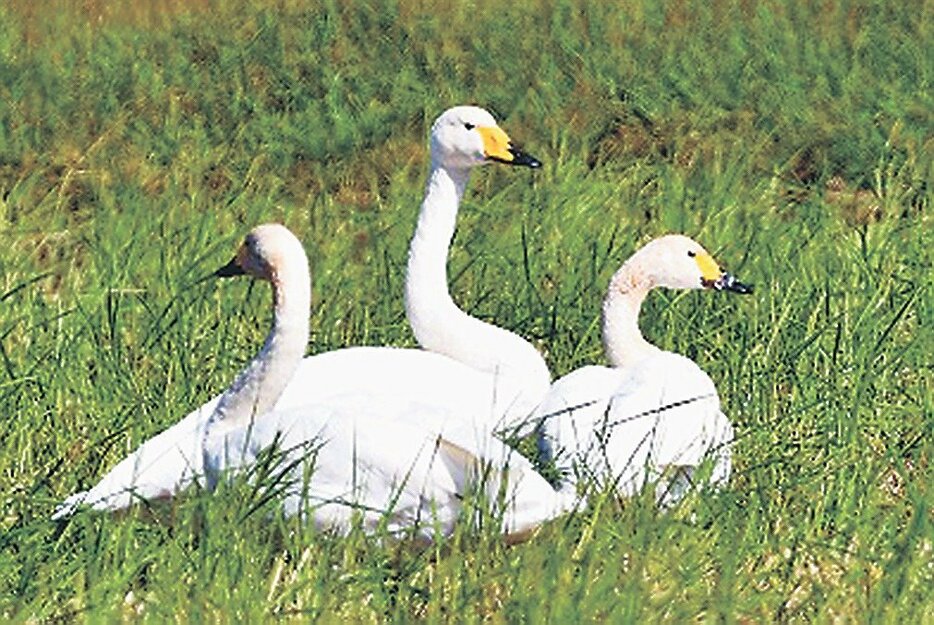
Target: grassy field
x=793 y=139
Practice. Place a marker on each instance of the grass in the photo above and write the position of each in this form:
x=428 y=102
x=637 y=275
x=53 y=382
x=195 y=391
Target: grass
x=793 y=140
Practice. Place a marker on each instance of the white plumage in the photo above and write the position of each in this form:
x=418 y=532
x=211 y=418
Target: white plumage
x=653 y=413
x=374 y=458
x=475 y=374
x=384 y=458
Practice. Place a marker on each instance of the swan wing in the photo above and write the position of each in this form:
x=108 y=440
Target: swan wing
x=665 y=415
x=374 y=458
x=573 y=405
x=170 y=460
x=629 y=425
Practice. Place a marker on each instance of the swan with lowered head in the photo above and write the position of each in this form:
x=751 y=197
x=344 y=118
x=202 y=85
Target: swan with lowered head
x=483 y=376
x=372 y=455
x=652 y=413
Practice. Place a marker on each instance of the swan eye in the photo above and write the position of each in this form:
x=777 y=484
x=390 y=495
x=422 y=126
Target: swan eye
x=469 y=126
x=692 y=254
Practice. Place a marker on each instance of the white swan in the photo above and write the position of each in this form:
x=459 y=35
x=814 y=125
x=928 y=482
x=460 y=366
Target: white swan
x=371 y=455
x=651 y=413
x=481 y=374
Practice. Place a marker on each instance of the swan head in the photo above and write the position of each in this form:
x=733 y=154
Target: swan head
x=266 y=252
x=466 y=136
x=675 y=261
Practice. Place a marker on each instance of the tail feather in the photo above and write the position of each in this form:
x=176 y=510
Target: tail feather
x=159 y=468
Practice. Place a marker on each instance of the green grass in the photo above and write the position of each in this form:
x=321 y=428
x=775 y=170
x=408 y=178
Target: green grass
x=794 y=140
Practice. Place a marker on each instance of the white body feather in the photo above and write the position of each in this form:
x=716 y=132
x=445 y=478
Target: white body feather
x=477 y=375
x=629 y=425
x=376 y=459
x=654 y=416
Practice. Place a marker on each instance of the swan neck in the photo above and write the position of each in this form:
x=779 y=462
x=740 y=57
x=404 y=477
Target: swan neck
x=435 y=319
x=256 y=389
x=438 y=324
x=622 y=339
x=426 y=284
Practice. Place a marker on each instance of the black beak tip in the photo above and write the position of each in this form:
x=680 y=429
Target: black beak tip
x=229 y=270
x=733 y=285
x=526 y=160
x=727 y=282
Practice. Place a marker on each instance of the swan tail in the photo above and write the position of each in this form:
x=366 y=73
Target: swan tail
x=159 y=468
x=69 y=506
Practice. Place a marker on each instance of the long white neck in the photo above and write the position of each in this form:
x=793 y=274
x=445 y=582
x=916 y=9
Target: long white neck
x=439 y=325
x=426 y=282
x=257 y=388
x=622 y=340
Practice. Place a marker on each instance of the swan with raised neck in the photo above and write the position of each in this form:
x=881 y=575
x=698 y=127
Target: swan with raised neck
x=651 y=410
x=462 y=138
x=270 y=252
x=484 y=371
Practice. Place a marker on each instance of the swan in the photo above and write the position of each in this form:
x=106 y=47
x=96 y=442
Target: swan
x=483 y=375
x=372 y=455
x=652 y=414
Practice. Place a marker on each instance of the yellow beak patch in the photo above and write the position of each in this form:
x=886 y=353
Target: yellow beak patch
x=709 y=268
x=495 y=143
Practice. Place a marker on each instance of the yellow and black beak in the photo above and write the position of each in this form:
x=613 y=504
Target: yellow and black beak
x=497 y=146
x=712 y=277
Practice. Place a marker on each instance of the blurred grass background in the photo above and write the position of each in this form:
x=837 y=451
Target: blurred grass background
x=140 y=141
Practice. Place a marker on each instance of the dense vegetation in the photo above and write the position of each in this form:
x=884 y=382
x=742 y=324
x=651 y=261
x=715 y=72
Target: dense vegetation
x=793 y=139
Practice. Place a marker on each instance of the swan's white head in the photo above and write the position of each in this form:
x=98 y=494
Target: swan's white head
x=675 y=261
x=466 y=136
x=266 y=252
